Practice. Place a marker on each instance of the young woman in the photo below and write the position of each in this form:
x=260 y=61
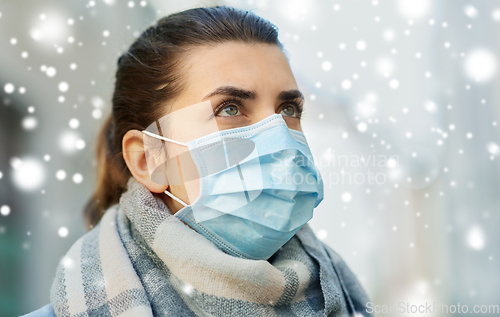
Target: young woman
x=205 y=185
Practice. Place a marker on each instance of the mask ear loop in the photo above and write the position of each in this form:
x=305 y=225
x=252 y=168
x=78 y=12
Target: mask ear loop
x=173 y=141
x=163 y=138
x=175 y=198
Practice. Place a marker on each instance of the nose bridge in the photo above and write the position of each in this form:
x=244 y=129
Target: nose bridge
x=264 y=113
x=264 y=108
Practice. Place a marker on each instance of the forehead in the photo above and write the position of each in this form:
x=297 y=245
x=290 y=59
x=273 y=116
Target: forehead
x=260 y=67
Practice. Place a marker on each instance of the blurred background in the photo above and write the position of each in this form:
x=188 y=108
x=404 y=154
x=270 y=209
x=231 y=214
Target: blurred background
x=402 y=111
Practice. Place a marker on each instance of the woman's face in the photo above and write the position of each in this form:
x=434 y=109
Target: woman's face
x=244 y=84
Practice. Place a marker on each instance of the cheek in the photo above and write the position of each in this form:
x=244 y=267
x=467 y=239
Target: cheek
x=293 y=123
x=184 y=177
x=188 y=192
x=192 y=190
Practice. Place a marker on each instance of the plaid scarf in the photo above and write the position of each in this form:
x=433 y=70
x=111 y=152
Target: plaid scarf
x=140 y=260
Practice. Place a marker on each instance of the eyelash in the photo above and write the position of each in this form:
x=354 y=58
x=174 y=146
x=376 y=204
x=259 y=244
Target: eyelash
x=236 y=100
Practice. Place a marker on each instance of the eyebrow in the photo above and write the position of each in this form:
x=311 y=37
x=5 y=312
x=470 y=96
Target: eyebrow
x=251 y=94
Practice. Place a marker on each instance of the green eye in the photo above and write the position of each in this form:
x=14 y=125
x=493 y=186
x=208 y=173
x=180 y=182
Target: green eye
x=289 y=111
x=229 y=111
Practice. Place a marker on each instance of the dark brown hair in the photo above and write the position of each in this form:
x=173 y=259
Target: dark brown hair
x=149 y=75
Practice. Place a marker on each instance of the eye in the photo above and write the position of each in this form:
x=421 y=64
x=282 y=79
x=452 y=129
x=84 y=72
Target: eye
x=288 y=111
x=229 y=108
x=292 y=108
x=291 y=111
x=229 y=111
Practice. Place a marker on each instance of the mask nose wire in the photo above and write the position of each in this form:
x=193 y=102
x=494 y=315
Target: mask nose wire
x=173 y=141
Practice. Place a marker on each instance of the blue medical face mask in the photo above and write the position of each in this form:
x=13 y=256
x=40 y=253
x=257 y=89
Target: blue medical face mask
x=258 y=187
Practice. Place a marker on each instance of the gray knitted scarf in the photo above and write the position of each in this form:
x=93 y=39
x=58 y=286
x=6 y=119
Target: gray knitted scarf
x=140 y=260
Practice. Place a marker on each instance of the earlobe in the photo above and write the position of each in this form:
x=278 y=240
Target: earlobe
x=135 y=158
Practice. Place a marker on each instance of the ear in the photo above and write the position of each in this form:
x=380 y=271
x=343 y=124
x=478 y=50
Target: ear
x=135 y=158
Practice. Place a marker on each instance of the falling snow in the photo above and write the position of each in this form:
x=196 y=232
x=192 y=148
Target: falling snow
x=9 y=88
x=51 y=71
x=63 y=86
x=346 y=197
x=74 y=123
x=28 y=173
x=77 y=178
x=61 y=175
x=29 y=123
x=5 y=210
x=480 y=64
x=408 y=79
x=63 y=232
